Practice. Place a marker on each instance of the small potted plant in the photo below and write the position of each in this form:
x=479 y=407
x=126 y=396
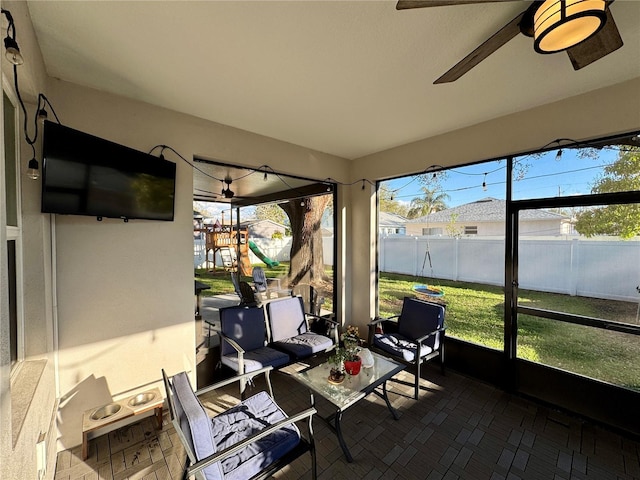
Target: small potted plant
x=351 y=342
x=337 y=373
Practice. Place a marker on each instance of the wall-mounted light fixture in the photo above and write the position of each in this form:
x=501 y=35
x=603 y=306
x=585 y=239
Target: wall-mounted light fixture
x=561 y=24
x=11 y=46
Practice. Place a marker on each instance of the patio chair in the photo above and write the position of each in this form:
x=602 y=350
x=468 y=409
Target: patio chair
x=413 y=337
x=320 y=320
x=312 y=301
x=252 y=440
x=289 y=329
x=244 y=291
x=266 y=286
x=243 y=339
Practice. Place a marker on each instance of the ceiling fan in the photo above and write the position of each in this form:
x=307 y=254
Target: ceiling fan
x=584 y=28
x=227 y=192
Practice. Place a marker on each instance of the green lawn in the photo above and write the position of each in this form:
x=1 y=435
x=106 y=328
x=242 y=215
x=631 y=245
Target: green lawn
x=475 y=313
x=220 y=280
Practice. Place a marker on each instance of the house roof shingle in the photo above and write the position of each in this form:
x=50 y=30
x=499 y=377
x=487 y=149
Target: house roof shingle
x=487 y=209
x=386 y=219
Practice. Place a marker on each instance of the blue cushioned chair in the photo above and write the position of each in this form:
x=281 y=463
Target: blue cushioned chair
x=415 y=336
x=252 y=440
x=289 y=329
x=243 y=340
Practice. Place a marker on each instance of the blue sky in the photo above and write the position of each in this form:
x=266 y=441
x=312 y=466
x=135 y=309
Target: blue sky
x=545 y=176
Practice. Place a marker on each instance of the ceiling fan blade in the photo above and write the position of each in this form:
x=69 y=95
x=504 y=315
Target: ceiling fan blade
x=498 y=39
x=407 y=4
x=600 y=45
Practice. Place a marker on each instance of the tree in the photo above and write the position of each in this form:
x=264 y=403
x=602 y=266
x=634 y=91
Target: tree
x=452 y=229
x=305 y=217
x=622 y=220
x=271 y=212
x=431 y=201
x=388 y=204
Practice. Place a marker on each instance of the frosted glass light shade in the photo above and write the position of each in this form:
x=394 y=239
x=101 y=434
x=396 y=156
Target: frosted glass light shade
x=561 y=24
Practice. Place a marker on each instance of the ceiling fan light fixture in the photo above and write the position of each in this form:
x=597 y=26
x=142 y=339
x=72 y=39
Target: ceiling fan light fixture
x=561 y=24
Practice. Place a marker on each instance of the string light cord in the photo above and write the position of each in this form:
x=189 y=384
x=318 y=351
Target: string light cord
x=12 y=46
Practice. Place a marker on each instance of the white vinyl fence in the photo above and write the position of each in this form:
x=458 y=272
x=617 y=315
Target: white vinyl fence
x=590 y=268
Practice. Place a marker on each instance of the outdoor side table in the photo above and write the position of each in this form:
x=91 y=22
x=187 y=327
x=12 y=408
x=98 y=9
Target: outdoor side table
x=351 y=390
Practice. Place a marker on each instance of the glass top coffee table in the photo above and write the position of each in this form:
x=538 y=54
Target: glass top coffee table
x=351 y=390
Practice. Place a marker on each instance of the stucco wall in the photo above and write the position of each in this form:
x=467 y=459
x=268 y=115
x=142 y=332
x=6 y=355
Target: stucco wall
x=125 y=290
x=28 y=396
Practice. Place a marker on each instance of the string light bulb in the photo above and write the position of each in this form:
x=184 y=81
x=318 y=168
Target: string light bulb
x=13 y=51
x=42 y=116
x=11 y=46
x=33 y=171
x=559 y=155
x=484 y=183
x=265 y=178
x=363 y=184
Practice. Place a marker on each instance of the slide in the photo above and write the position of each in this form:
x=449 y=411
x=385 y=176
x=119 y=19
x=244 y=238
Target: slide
x=270 y=263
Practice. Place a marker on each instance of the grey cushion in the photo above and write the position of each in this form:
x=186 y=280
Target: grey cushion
x=286 y=318
x=195 y=424
x=249 y=417
x=304 y=345
x=256 y=359
x=397 y=345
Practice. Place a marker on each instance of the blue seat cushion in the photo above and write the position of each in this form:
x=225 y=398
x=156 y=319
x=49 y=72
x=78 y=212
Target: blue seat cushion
x=399 y=346
x=256 y=359
x=305 y=345
x=242 y=421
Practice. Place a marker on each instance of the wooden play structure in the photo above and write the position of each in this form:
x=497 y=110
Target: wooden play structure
x=224 y=239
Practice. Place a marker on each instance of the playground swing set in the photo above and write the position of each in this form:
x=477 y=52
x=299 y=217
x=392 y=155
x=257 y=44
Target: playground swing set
x=425 y=289
x=226 y=241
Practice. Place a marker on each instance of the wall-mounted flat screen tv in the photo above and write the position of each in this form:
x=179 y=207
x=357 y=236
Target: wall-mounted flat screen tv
x=86 y=175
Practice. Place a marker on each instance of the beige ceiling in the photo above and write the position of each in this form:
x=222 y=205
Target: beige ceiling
x=344 y=77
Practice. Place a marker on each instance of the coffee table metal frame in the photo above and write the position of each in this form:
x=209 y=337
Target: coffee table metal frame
x=351 y=390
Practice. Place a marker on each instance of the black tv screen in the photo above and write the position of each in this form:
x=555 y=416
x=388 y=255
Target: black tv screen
x=86 y=175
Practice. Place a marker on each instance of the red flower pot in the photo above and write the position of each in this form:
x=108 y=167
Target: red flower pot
x=353 y=366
